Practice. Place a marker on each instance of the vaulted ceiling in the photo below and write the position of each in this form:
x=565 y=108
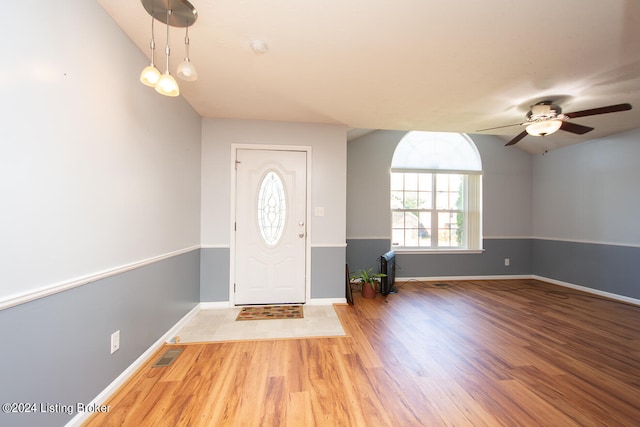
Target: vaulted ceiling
x=407 y=64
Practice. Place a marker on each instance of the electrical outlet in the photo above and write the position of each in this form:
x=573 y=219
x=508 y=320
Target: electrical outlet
x=507 y=261
x=115 y=341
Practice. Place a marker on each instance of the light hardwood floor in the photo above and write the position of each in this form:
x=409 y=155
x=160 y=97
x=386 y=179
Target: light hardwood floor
x=481 y=353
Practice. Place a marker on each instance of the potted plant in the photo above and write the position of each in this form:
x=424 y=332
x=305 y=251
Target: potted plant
x=368 y=279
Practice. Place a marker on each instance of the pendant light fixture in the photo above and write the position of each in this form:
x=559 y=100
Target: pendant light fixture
x=150 y=74
x=186 y=70
x=175 y=13
x=167 y=85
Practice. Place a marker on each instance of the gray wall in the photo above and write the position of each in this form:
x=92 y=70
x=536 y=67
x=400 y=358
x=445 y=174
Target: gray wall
x=568 y=215
x=507 y=190
x=585 y=202
x=608 y=268
x=99 y=174
x=57 y=349
x=327 y=281
x=327 y=177
x=365 y=253
x=214 y=274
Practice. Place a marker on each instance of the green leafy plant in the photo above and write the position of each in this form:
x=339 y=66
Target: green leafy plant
x=367 y=276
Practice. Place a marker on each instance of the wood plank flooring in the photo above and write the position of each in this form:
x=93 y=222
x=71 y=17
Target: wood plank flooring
x=470 y=353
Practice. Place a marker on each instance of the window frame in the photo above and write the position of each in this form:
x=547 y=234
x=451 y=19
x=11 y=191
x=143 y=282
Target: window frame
x=471 y=209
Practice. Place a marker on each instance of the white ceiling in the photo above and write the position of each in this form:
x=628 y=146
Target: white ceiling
x=407 y=64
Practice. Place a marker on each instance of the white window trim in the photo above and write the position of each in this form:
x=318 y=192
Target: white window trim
x=449 y=251
x=472 y=211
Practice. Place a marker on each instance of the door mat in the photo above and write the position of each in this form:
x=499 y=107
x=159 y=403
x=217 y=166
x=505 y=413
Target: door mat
x=271 y=312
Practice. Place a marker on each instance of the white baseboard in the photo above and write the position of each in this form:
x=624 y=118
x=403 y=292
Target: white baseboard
x=214 y=305
x=326 y=301
x=450 y=278
x=525 y=276
x=124 y=376
x=311 y=301
x=589 y=290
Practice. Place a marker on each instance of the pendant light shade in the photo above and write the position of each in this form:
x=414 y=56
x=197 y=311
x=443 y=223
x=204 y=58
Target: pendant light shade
x=167 y=85
x=150 y=74
x=186 y=71
x=544 y=127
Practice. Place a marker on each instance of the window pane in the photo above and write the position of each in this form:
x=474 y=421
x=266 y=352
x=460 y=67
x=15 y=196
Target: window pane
x=442 y=200
x=397 y=219
x=397 y=199
x=436 y=150
x=411 y=237
x=410 y=220
x=411 y=181
x=424 y=228
x=449 y=192
x=424 y=200
x=448 y=229
x=271 y=208
x=442 y=182
x=397 y=237
x=424 y=181
x=397 y=181
x=410 y=199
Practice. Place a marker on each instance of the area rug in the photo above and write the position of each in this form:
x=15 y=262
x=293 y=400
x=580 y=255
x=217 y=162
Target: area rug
x=271 y=312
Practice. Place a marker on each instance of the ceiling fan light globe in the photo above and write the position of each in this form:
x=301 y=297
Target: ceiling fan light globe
x=186 y=71
x=150 y=76
x=544 y=127
x=167 y=86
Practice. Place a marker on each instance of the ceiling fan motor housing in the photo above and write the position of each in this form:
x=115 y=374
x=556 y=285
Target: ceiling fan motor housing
x=544 y=111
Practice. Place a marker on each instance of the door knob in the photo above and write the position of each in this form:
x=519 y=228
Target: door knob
x=301 y=235
x=301 y=224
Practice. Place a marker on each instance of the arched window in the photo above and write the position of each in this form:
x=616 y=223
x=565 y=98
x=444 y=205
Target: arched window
x=436 y=192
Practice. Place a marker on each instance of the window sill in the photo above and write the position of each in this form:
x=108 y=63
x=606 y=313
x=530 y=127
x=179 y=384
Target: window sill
x=412 y=251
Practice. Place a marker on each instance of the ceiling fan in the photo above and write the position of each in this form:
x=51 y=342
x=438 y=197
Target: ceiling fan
x=545 y=118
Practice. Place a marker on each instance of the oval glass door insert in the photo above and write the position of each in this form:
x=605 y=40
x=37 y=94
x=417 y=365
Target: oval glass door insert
x=272 y=208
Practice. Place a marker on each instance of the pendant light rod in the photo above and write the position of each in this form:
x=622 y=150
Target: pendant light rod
x=152 y=43
x=167 y=50
x=186 y=44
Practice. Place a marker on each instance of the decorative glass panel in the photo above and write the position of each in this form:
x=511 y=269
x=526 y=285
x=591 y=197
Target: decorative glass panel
x=272 y=208
x=419 y=150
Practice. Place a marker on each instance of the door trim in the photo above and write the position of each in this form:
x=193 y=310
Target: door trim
x=232 y=197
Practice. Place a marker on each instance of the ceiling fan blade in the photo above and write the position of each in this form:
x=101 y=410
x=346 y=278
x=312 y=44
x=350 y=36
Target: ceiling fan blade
x=499 y=127
x=601 y=110
x=517 y=138
x=575 y=128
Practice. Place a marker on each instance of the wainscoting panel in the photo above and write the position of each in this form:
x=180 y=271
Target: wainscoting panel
x=214 y=274
x=608 y=268
x=364 y=253
x=327 y=272
x=56 y=349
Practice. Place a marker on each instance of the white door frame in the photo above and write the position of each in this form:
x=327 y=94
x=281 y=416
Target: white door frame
x=232 y=218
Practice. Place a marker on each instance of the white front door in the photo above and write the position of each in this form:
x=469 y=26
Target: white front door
x=270 y=229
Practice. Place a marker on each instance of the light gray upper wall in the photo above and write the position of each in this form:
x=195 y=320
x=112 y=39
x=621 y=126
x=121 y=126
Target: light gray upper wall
x=328 y=173
x=589 y=192
x=368 y=184
x=507 y=186
x=97 y=170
